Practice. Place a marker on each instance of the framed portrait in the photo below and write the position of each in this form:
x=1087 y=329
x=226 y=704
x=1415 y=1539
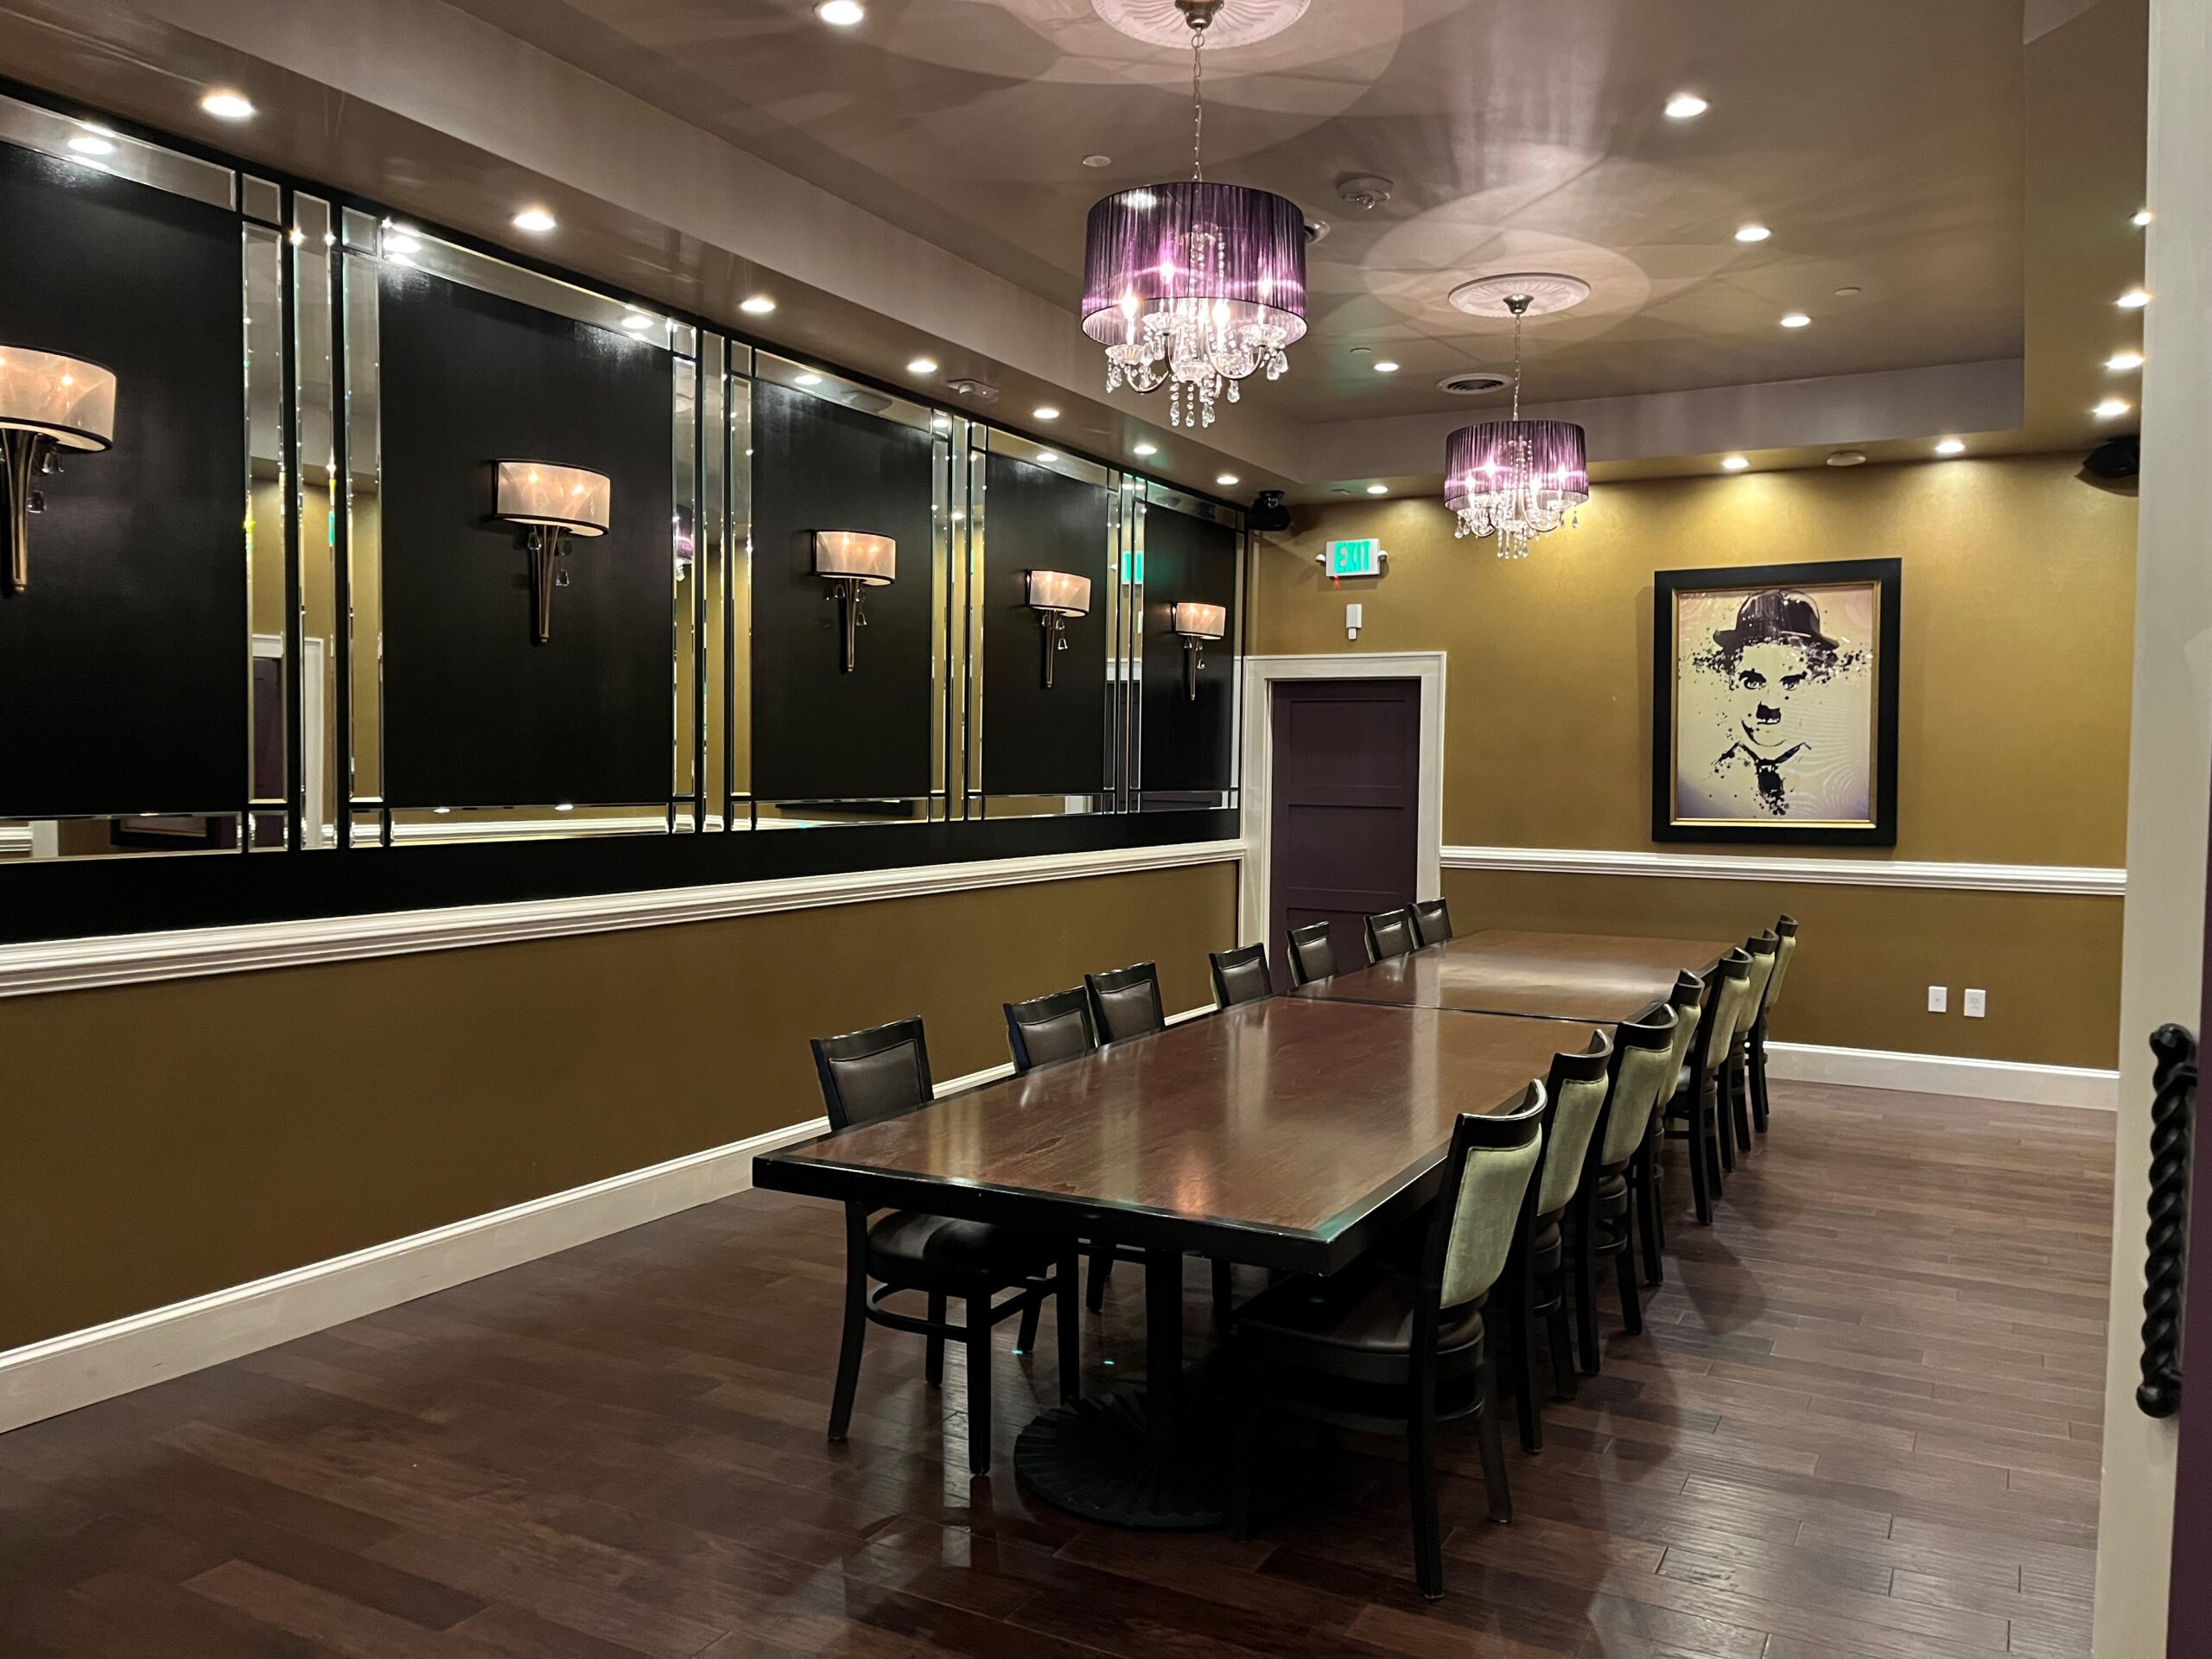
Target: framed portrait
x=1775 y=704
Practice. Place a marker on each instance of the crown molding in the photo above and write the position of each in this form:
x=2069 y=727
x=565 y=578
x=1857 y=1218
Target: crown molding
x=1820 y=871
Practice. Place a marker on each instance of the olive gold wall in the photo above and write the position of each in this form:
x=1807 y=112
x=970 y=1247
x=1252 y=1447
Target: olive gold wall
x=2019 y=590
x=202 y=1133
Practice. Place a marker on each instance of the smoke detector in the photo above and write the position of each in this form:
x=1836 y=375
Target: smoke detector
x=981 y=391
x=1475 y=382
x=1167 y=23
x=1547 y=291
x=1365 y=191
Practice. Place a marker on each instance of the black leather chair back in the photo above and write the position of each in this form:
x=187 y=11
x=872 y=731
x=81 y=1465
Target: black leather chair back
x=1311 y=955
x=1049 y=1029
x=1241 y=976
x=872 y=1074
x=1391 y=934
x=1126 y=1002
x=1433 y=921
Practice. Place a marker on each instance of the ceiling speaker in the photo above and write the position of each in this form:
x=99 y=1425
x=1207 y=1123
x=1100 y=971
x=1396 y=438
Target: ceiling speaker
x=2113 y=466
x=1267 y=512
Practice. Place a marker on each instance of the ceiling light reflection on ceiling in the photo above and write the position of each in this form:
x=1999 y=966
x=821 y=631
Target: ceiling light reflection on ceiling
x=1797 y=320
x=637 y=322
x=2120 y=362
x=841 y=14
x=1047 y=454
x=759 y=306
x=90 y=143
x=1952 y=446
x=922 y=366
x=1227 y=480
x=1098 y=160
x=1734 y=463
x=1753 y=233
x=1686 y=107
x=227 y=106
x=2134 y=300
x=1148 y=449
x=1378 y=489
x=536 y=221
x=2111 y=409
x=806 y=379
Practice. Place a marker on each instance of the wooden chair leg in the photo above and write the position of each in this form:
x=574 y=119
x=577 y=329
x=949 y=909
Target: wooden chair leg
x=1421 y=1472
x=1243 y=1447
x=1495 y=1484
x=1740 y=1098
x=1658 y=1177
x=1067 y=1323
x=1582 y=1266
x=1625 y=1266
x=1563 y=1384
x=1760 y=1104
x=933 y=1356
x=1720 y=1159
x=1225 y=1296
x=1101 y=1269
x=1521 y=1329
x=856 y=1334
x=1724 y=1137
x=1700 y=1165
x=1650 y=1226
x=1025 y=1340
x=979 y=1385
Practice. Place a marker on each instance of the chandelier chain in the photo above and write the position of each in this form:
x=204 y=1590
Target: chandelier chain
x=1198 y=103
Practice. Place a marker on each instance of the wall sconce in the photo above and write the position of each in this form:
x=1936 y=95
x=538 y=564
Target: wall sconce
x=1055 y=596
x=1198 y=624
x=552 y=503
x=47 y=402
x=852 y=562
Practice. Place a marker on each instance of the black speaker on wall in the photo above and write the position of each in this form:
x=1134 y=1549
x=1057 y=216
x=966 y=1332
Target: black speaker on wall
x=1188 y=743
x=477 y=712
x=124 y=664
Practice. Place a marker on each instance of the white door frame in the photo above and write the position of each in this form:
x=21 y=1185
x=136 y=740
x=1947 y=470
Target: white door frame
x=1261 y=673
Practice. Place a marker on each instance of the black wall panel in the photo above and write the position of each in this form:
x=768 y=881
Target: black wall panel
x=1187 y=746
x=477 y=714
x=123 y=667
x=1035 y=741
x=820 y=734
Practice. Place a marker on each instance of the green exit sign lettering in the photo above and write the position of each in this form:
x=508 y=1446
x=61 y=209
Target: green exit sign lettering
x=1364 y=558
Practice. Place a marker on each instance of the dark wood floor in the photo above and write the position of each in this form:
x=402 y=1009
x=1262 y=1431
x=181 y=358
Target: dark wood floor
x=1863 y=1421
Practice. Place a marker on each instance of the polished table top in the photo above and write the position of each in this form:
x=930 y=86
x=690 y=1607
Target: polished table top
x=1599 y=977
x=1284 y=1133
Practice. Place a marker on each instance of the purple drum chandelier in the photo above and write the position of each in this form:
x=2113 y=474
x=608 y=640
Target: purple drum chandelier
x=1194 y=286
x=1516 y=479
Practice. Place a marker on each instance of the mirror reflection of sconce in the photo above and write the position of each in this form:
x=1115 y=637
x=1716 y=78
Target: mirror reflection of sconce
x=1055 y=596
x=552 y=503
x=852 y=562
x=47 y=402
x=1198 y=624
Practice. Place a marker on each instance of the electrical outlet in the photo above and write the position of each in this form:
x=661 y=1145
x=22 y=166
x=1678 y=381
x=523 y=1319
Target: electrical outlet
x=1977 y=1004
x=1939 y=999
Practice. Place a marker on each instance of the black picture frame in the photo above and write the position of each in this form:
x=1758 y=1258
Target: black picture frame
x=1887 y=576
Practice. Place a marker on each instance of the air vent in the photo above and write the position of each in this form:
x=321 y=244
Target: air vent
x=1474 y=383
x=982 y=392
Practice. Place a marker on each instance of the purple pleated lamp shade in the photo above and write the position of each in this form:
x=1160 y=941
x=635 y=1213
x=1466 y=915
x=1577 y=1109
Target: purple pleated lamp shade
x=1194 y=241
x=1480 y=459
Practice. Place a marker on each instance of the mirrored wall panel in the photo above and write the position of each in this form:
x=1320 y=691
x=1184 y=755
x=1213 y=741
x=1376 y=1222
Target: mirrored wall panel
x=1189 y=612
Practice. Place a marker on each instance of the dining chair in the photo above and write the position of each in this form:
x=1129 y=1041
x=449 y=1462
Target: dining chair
x=1697 y=1104
x=1433 y=921
x=1241 y=976
x=1049 y=1029
x=1786 y=930
x=1391 y=934
x=1643 y=1069
x=1125 y=1003
x=1312 y=956
x=1378 y=1350
x=883 y=1072
x=1577 y=1089
x=1687 y=1001
x=1736 y=1078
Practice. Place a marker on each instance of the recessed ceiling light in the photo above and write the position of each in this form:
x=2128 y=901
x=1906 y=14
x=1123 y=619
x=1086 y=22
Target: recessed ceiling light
x=1952 y=446
x=2120 y=362
x=1047 y=454
x=1226 y=479
x=1734 y=463
x=1797 y=320
x=1753 y=233
x=1098 y=160
x=841 y=14
x=1148 y=449
x=1045 y=412
x=1686 y=107
x=1385 y=366
x=1848 y=458
x=227 y=106
x=90 y=143
x=759 y=306
x=1851 y=291
x=1363 y=351
x=637 y=322
x=2134 y=300
x=922 y=366
x=806 y=379
x=2111 y=409
x=1378 y=489
x=536 y=221
x=2142 y=218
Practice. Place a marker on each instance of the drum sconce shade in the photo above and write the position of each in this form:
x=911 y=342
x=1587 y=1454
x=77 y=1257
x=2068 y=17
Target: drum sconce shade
x=1198 y=624
x=852 y=562
x=552 y=504
x=47 y=402
x=1056 y=596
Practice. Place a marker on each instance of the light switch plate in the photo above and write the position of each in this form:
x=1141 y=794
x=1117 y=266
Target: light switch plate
x=1977 y=1004
x=1939 y=999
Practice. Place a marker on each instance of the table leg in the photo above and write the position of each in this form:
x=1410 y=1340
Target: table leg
x=1133 y=1458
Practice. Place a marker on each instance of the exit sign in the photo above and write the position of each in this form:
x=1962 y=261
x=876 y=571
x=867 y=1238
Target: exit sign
x=1360 y=558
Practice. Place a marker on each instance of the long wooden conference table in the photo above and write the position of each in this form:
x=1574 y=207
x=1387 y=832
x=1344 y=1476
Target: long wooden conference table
x=1291 y=1132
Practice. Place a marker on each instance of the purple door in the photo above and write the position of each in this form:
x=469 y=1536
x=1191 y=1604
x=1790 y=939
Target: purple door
x=1343 y=835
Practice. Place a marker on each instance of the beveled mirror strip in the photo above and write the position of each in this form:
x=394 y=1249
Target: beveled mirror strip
x=92 y=143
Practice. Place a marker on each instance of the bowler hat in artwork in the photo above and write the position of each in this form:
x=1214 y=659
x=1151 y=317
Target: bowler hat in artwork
x=1776 y=617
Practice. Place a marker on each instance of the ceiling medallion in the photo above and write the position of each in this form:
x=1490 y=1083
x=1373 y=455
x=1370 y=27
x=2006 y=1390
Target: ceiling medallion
x=1163 y=22
x=1192 y=285
x=1516 y=479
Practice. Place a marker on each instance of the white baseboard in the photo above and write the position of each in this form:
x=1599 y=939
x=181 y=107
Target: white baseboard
x=1945 y=1074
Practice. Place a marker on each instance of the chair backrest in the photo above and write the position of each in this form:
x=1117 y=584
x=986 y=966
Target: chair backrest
x=1723 y=1000
x=872 y=1074
x=1786 y=930
x=1643 y=1074
x=1763 y=949
x=1433 y=920
x=1049 y=1029
x=1126 y=1002
x=1577 y=1089
x=1391 y=934
x=1311 y=955
x=1688 y=1004
x=1486 y=1207
x=1241 y=976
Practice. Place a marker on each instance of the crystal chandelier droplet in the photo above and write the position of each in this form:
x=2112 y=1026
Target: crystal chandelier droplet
x=1516 y=479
